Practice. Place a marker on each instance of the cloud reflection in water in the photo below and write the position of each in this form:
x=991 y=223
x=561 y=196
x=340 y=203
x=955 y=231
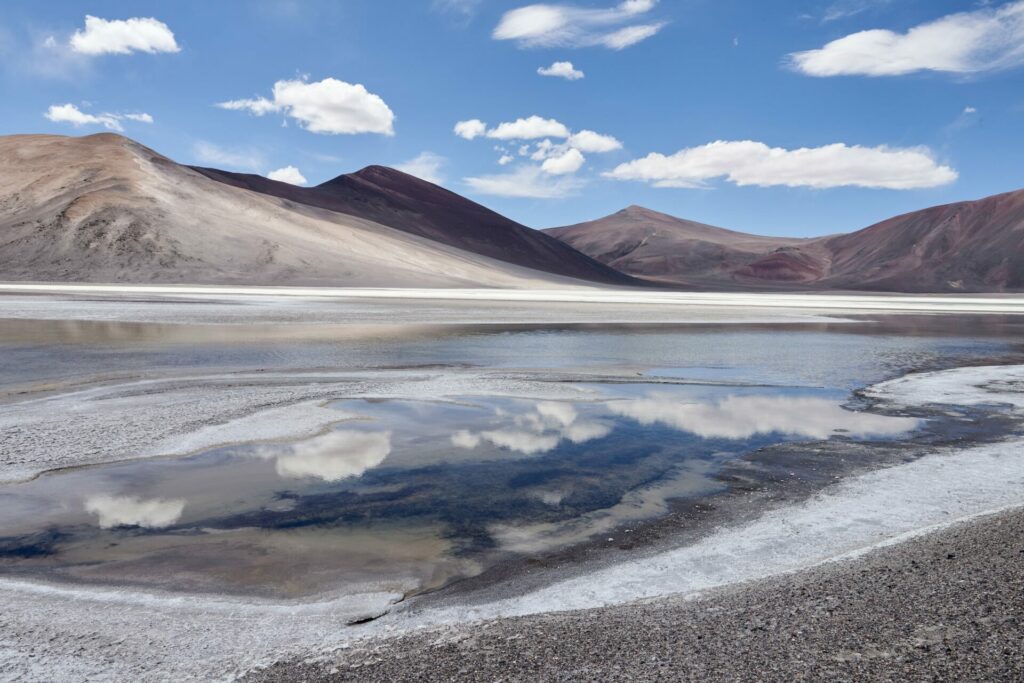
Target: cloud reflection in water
x=741 y=417
x=537 y=431
x=334 y=456
x=115 y=511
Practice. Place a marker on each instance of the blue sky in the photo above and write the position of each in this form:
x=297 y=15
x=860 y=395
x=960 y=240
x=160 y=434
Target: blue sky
x=897 y=104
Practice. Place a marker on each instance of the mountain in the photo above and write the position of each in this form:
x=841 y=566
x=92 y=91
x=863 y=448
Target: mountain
x=654 y=245
x=401 y=201
x=974 y=246
x=102 y=208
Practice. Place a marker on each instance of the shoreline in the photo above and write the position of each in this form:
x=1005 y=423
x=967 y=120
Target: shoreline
x=938 y=605
x=823 y=301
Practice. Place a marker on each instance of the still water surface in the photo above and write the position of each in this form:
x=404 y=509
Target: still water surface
x=406 y=495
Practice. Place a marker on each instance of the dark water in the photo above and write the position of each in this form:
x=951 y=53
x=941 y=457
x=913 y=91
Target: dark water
x=406 y=495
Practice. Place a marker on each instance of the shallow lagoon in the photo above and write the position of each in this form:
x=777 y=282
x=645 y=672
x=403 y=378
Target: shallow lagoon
x=404 y=495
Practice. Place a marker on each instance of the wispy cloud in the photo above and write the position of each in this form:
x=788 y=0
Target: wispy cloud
x=246 y=159
x=426 y=166
x=546 y=25
x=525 y=182
x=69 y=113
x=986 y=39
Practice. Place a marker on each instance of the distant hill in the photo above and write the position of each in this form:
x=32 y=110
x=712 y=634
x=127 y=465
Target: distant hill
x=975 y=246
x=102 y=208
x=649 y=244
x=401 y=201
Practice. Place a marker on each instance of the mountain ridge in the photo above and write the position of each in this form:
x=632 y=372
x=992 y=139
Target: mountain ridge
x=969 y=246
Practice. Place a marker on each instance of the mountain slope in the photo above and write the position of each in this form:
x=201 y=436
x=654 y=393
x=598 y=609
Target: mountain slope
x=655 y=245
x=404 y=202
x=975 y=246
x=104 y=208
x=967 y=246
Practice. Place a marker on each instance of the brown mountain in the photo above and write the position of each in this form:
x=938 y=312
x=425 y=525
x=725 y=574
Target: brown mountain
x=401 y=201
x=102 y=208
x=654 y=245
x=974 y=246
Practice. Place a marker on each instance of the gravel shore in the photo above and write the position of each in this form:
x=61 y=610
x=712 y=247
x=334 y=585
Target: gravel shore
x=945 y=606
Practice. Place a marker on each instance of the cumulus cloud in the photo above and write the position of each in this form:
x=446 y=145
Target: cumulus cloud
x=549 y=25
x=209 y=153
x=115 y=511
x=69 y=113
x=589 y=141
x=288 y=174
x=741 y=417
x=967 y=42
x=123 y=36
x=334 y=456
x=426 y=166
x=330 y=107
x=550 y=179
x=569 y=161
x=471 y=129
x=530 y=128
x=561 y=70
x=754 y=163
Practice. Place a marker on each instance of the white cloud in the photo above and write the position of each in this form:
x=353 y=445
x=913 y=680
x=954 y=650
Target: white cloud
x=970 y=110
x=209 y=153
x=336 y=455
x=121 y=37
x=568 y=162
x=329 y=106
x=754 y=163
x=546 y=25
x=561 y=70
x=425 y=166
x=968 y=42
x=558 y=158
x=525 y=182
x=69 y=113
x=631 y=35
x=529 y=128
x=473 y=128
x=741 y=417
x=589 y=141
x=115 y=511
x=288 y=174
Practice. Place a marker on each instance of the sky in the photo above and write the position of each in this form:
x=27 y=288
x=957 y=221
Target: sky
x=803 y=117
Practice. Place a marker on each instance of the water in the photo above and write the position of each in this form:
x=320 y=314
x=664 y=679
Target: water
x=405 y=495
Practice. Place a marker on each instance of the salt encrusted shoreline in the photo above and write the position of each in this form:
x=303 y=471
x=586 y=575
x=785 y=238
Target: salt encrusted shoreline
x=125 y=634
x=940 y=606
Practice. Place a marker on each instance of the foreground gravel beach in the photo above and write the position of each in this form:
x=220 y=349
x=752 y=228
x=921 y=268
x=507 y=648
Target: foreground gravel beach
x=948 y=605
